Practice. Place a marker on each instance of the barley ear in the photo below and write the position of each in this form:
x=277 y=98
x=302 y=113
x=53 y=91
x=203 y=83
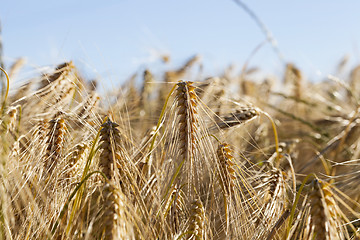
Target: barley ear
x=55 y=143
x=227 y=171
x=322 y=213
x=197 y=221
x=109 y=136
x=113 y=222
x=187 y=118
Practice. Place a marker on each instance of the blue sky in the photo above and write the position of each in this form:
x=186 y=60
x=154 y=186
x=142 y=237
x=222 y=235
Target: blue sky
x=114 y=39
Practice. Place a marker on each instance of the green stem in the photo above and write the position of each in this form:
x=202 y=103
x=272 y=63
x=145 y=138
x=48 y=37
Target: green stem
x=292 y=214
x=7 y=90
x=62 y=212
x=160 y=121
x=276 y=138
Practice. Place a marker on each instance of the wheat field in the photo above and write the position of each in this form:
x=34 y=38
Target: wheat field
x=221 y=157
